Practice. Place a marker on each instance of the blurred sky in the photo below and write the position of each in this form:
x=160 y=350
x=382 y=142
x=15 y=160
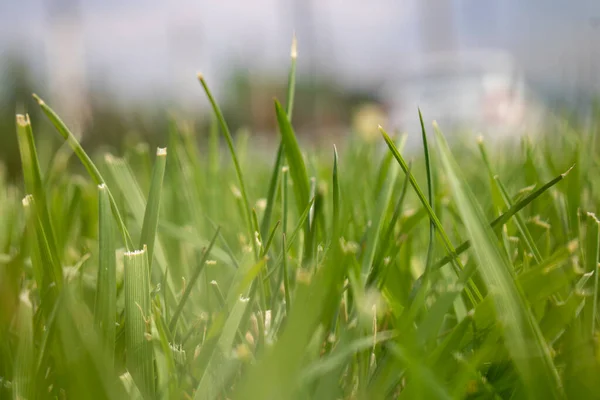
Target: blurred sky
x=154 y=48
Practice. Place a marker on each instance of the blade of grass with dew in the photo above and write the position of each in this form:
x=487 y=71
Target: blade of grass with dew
x=105 y=308
x=236 y=163
x=522 y=336
x=506 y=216
x=86 y=161
x=289 y=108
x=150 y=224
x=192 y=282
x=138 y=320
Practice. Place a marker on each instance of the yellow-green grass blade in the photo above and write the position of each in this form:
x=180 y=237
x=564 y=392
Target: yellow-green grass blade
x=106 y=292
x=522 y=336
x=87 y=162
x=138 y=322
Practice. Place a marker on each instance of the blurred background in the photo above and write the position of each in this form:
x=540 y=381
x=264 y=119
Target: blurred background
x=116 y=69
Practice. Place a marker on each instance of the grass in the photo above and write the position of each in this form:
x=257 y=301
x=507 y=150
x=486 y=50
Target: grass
x=204 y=275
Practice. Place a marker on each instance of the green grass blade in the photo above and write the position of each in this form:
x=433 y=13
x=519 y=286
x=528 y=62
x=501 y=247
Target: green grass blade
x=335 y=223
x=430 y=194
x=138 y=322
x=34 y=186
x=294 y=158
x=106 y=292
x=522 y=336
x=150 y=224
x=382 y=204
x=271 y=194
x=86 y=161
x=234 y=157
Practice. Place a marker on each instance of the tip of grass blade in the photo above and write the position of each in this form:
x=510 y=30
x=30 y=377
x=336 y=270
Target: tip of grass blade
x=27 y=200
x=294 y=50
x=161 y=151
x=134 y=253
x=567 y=171
x=23 y=120
x=200 y=76
x=38 y=99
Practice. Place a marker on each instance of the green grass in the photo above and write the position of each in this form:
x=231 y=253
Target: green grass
x=197 y=274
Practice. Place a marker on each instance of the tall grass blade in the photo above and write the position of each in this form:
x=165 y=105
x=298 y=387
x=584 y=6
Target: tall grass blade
x=280 y=153
x=294 y=158
x=234 y=157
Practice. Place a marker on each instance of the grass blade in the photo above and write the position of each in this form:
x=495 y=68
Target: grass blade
x=430 y=194
x=106 y=292
x=294 y=158
x=150 y=223
x=87 y=163
x=266 y=221
x=138 y=322
x=236 y=163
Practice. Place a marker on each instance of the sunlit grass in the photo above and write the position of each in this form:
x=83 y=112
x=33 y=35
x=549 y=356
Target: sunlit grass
x=327 y=276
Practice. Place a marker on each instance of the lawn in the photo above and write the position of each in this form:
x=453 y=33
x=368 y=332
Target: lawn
x=349 y=273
